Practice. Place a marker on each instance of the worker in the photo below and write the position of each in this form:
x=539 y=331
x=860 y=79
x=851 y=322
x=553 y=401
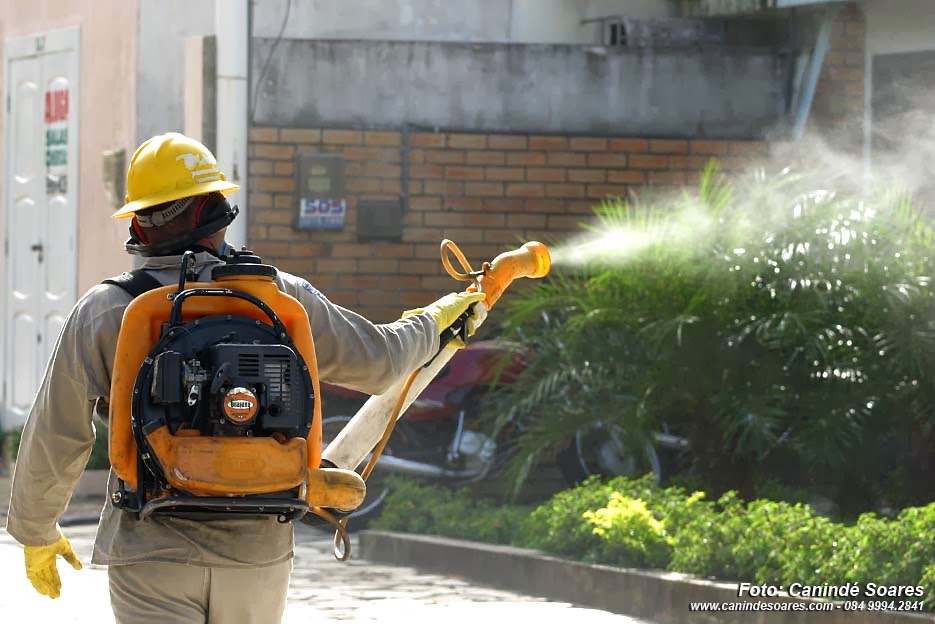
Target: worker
x=182 y=568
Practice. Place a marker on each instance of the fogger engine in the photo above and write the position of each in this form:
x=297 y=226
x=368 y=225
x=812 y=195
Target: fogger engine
x=214 y=400
x=233 y=387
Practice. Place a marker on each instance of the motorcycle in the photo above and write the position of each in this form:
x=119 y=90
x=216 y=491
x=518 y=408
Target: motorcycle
x=445 y=436
x=442 y=436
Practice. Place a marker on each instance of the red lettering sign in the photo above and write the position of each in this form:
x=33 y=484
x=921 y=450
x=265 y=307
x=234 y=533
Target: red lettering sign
x=56 y=106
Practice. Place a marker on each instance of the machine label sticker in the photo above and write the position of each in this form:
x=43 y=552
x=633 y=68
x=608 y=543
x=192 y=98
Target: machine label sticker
x=240 y=405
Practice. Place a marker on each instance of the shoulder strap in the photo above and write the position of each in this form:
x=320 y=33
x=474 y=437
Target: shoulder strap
x=135 y=282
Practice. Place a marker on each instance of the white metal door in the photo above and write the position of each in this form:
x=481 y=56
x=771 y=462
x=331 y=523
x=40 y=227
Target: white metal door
x=41 y=209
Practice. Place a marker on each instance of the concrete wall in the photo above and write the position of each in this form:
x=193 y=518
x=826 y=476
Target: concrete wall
x=910 y=28
x=517 y=21
x=107 y=111
x=702 y=92
x=160 y=64
x=436 y=20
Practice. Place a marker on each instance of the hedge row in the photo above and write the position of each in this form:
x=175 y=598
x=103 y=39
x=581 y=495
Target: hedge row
x=635 y=523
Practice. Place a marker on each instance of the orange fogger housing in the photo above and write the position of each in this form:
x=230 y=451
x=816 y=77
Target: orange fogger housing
x=530 y=260
x=208 y=465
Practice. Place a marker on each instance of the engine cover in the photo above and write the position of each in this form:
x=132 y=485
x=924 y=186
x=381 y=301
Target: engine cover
x=254 y=385
x=223 y=377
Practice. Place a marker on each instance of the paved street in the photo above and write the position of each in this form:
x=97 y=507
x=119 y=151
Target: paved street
x=322 y=591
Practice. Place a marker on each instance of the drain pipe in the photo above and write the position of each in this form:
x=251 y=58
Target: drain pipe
x=810 y=80
x=231 y=19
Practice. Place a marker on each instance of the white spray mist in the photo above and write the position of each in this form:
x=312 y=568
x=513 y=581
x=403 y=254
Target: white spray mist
x=621 y=244
x=908 y=170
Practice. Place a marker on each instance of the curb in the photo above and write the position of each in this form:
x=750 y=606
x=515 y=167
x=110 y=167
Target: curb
x=662 y=597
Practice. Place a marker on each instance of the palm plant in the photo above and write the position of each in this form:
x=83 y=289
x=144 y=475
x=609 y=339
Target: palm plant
x=787 y=332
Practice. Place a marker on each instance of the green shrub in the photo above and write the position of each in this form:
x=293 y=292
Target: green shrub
x=885 y=551
x=634 y=522
x=913 y=542
x=704 y=545
x=557 y=525
x=417 y=508
x=630 y=535
x=781 y=543
x=928 y=583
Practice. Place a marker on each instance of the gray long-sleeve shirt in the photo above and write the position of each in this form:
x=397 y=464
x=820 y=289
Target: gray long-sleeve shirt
x=59 y=433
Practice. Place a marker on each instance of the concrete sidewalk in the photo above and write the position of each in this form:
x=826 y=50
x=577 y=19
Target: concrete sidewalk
x=322 y=591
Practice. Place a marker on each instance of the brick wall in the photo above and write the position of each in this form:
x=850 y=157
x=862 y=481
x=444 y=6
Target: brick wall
x=838 y=107
x=484 y=191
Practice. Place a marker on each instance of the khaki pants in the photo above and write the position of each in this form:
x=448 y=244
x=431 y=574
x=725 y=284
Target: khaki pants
x=146 y=593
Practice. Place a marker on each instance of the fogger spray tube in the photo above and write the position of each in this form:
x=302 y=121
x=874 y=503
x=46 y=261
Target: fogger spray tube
x=365 y=430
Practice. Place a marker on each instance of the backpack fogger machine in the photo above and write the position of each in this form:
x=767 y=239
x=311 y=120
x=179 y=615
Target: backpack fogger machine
x=215 y=406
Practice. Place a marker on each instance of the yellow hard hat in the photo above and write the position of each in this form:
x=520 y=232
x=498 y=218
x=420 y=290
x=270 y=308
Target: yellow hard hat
x=168 y=167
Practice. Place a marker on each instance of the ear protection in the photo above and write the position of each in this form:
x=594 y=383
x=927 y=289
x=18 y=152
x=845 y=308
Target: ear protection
x=137 y=231
x=212 y=213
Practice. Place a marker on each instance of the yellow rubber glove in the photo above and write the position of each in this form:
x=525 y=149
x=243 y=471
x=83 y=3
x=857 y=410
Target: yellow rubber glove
x=41 y=568
x=446 y=310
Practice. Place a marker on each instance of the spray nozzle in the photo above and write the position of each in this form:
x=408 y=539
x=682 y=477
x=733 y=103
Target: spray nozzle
x=530 y=260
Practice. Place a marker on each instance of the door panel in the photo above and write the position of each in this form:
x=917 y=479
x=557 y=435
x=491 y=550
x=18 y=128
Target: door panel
x=24 y=216
x=41 y=206
x=25 y=278
x=26 y=109
x=58 y=263
x=58 y=267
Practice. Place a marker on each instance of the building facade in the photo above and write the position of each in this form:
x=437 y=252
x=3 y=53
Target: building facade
x=375 y=129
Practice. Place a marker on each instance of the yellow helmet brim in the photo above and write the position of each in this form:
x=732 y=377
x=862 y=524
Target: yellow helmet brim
x=130 y=209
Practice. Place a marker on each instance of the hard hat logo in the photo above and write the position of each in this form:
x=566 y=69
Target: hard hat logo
x=195 y=160
x=196 y=164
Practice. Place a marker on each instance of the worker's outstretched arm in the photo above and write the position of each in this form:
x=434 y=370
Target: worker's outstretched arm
x=58 y=437
x=355 y=353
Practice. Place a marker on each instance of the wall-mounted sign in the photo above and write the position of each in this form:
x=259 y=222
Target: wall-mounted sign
x=321 y=190
x=56 y=137
x=322 y=214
